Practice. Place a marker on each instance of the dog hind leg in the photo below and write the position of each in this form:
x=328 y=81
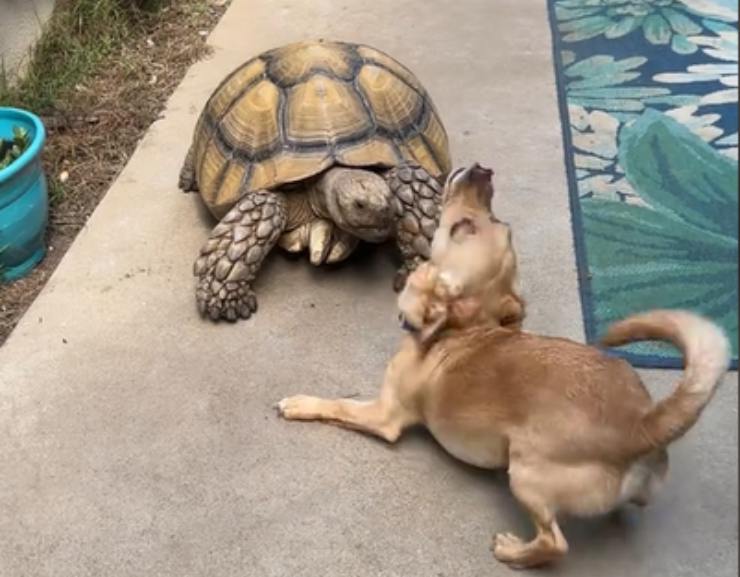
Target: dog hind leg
x=548 y=545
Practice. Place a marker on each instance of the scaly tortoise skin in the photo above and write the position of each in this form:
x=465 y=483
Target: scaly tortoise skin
x=313 y=145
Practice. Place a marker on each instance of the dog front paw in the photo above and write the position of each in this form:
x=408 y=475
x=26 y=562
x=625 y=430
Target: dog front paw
x=299 y=407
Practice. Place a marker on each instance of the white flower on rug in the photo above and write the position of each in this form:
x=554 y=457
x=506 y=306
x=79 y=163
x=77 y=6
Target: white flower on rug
x=703 y=125
x=594 y=136
x=723 y=47
x=722 y=9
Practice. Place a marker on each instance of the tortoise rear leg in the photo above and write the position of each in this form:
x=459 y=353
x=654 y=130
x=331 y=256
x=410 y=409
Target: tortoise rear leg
x=230 y=259
x=417 y=202
x=187 y=182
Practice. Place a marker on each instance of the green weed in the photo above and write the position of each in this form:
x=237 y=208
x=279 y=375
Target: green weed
x=79 y=34
x=10 y=150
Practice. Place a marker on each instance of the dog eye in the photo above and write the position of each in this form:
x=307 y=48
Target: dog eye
x=465 y=224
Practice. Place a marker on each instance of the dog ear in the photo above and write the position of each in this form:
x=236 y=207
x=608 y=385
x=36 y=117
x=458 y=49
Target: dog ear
x=430 y=331
x=458 y=312
x=508 y=307
x=510 y=311
x=424 y=277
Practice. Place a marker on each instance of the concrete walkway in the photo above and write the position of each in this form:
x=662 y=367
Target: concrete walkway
x=21 y=25
x=138 y=440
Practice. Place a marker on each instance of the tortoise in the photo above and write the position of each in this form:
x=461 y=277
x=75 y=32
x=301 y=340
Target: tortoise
x=314 y=145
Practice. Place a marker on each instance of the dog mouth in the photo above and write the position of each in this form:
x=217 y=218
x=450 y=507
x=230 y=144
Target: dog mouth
x=455 y=173
x=406 y=325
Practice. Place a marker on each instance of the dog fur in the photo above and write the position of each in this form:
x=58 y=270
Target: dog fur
x=576 y=429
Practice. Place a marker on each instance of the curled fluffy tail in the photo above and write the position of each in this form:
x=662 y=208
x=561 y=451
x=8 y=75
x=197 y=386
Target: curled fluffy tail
x=706 y=352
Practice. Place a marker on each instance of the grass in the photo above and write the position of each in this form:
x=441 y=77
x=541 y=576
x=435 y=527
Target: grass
x=77 y=38
x=12 y=148
x=98 y=78
x=97 y=64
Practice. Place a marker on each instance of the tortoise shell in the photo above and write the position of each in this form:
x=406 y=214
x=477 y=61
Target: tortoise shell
x=294 y=111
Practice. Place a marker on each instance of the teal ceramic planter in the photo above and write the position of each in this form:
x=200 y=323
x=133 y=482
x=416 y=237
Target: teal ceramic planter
x=24 y=205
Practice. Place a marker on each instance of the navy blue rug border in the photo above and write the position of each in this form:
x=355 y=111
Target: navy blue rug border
x=584 y=283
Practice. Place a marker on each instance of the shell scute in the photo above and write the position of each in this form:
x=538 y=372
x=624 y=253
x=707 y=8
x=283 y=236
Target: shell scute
x=294 y=111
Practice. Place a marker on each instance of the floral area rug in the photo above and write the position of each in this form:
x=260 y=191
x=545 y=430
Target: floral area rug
x=649 y=103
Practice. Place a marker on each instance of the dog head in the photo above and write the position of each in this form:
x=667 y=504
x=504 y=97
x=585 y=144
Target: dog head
x=474 y=247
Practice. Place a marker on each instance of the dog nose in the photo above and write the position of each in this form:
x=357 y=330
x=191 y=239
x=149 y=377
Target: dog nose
x=480 y=173
x=472 y=173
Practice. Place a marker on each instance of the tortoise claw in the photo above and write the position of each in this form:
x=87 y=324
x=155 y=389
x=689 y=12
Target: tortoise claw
x=399 y=280
x=232 y=301
x=319 y=241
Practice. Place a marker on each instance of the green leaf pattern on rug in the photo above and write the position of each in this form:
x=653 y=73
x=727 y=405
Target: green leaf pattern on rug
x=650 y=93
x=681 y=251
x=722 y=47
x=596 y=83
x=662 y=22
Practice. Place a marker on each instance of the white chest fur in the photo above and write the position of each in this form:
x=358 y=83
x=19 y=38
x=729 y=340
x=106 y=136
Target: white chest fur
x=483 y=449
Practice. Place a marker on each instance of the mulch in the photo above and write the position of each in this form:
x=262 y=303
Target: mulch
x=94 y=131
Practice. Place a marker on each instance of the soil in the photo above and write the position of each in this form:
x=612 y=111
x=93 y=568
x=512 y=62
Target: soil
x=125 y=95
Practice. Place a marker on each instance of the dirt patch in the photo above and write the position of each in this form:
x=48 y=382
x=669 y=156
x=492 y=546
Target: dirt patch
x=94 y=128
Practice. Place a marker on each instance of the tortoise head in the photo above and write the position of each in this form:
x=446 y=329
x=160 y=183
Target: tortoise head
x=358 y=201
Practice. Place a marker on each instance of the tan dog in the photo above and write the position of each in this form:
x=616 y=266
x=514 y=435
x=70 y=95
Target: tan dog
x=576 y=429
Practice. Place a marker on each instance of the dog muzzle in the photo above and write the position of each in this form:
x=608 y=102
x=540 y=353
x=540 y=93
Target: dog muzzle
x=406 y=325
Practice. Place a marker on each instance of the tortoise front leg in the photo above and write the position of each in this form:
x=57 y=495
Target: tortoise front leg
x=418 y=197
x=230 y=259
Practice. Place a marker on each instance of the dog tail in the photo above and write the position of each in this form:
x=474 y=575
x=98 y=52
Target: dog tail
x=706 y=351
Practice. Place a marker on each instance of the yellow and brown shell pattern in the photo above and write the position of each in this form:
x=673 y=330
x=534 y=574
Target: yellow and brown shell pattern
x=293 y=112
